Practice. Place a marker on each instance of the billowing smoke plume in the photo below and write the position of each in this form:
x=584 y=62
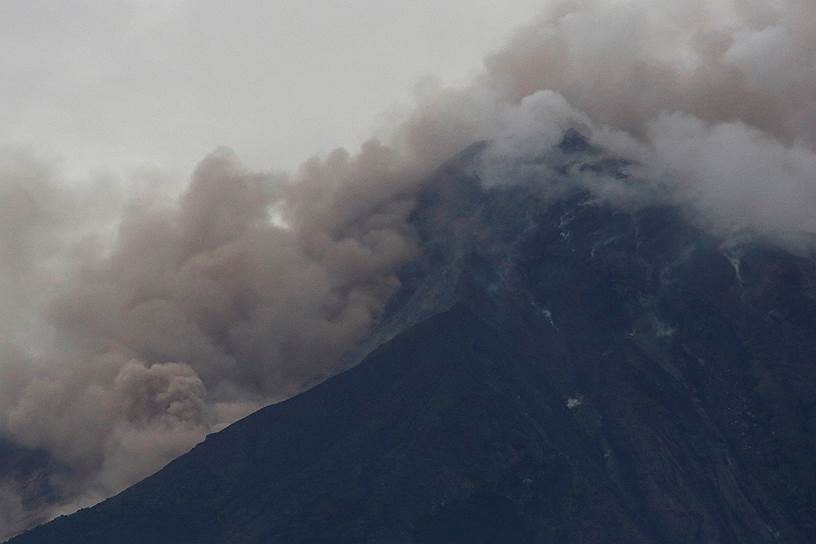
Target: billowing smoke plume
x=250 y=286
x=624 y=63
x=719 y=95
x=241 y=292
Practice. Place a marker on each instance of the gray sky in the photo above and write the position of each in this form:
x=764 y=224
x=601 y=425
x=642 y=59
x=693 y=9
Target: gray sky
x=114 y=84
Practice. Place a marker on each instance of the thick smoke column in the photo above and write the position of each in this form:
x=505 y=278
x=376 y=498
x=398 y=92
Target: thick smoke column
x=250 y=286
x=243 y=291
x=624 y=63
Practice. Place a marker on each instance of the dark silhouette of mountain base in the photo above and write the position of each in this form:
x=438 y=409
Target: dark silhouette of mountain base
x=554 y=370
x=25 y=487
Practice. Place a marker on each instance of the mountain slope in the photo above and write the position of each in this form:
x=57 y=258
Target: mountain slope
x=554 y=369
x=24 y=487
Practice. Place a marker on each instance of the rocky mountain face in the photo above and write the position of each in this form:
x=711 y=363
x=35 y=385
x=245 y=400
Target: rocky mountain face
x=553 y=370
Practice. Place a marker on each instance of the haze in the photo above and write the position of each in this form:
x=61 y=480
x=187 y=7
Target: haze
x=107 y=85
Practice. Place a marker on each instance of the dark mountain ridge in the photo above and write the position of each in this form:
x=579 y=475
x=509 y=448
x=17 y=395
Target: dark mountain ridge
x=554 y=369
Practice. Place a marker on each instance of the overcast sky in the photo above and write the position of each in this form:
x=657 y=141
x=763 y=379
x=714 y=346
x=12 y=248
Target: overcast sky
x=110 y=85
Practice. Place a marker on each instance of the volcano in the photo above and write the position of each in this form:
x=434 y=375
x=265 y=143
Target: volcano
x=553 y=369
